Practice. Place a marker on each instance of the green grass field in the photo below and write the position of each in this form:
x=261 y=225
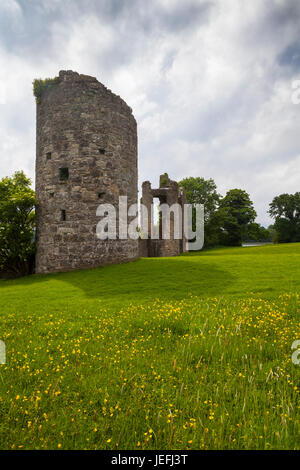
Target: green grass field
x=192 y=352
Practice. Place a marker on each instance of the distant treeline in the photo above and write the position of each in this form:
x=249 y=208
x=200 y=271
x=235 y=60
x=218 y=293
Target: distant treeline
x=230 y=220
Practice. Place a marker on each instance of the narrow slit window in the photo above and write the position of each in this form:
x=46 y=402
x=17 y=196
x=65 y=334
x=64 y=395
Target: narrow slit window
x=48 y=155
x=63 y=215
x=100 y=195
x=102 y=151
x=51 y=194
x=64 y=174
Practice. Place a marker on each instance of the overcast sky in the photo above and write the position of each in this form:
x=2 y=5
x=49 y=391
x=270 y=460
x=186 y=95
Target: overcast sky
x=209 y=82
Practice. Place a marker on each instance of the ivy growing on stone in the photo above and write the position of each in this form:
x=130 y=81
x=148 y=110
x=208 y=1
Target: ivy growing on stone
x=40 y=86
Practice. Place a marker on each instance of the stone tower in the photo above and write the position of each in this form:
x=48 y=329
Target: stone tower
x=86 y=154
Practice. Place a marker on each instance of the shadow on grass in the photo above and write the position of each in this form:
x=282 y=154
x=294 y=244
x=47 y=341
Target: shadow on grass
x=143 y=280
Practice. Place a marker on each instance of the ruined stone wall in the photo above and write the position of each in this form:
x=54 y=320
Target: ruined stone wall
x=86 y=154
x=167 y=193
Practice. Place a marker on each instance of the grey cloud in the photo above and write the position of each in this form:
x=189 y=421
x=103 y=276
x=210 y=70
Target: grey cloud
x=282 y=13
x=26 y=33
x=183 y=17
x=276 y=20
x=291 y=56
x=31 y=33
x=151 y=16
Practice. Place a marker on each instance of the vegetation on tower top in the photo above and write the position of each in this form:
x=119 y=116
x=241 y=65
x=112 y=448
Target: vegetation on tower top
x=40 y=86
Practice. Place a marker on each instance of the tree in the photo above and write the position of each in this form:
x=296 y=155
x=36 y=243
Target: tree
x=235 y=212
x=285 y=209
x=255 y=232
x=17 y=224
x=202 y=191
x=273 y=233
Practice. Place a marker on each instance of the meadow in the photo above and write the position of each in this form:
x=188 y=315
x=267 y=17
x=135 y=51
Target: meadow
x=190 y=352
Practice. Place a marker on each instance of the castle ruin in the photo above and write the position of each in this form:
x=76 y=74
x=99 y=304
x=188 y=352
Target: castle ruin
x=169 y=194
x=86 y=155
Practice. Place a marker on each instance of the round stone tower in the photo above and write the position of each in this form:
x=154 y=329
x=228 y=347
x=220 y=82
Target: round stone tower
x=86 y=155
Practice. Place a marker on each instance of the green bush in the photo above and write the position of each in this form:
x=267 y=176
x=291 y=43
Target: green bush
x=40 y=86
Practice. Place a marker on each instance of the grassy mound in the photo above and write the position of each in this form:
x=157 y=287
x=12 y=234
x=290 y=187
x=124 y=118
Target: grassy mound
x=188 y=352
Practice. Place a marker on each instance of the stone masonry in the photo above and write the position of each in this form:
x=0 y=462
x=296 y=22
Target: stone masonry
x=86 y=154
x=167 y=193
